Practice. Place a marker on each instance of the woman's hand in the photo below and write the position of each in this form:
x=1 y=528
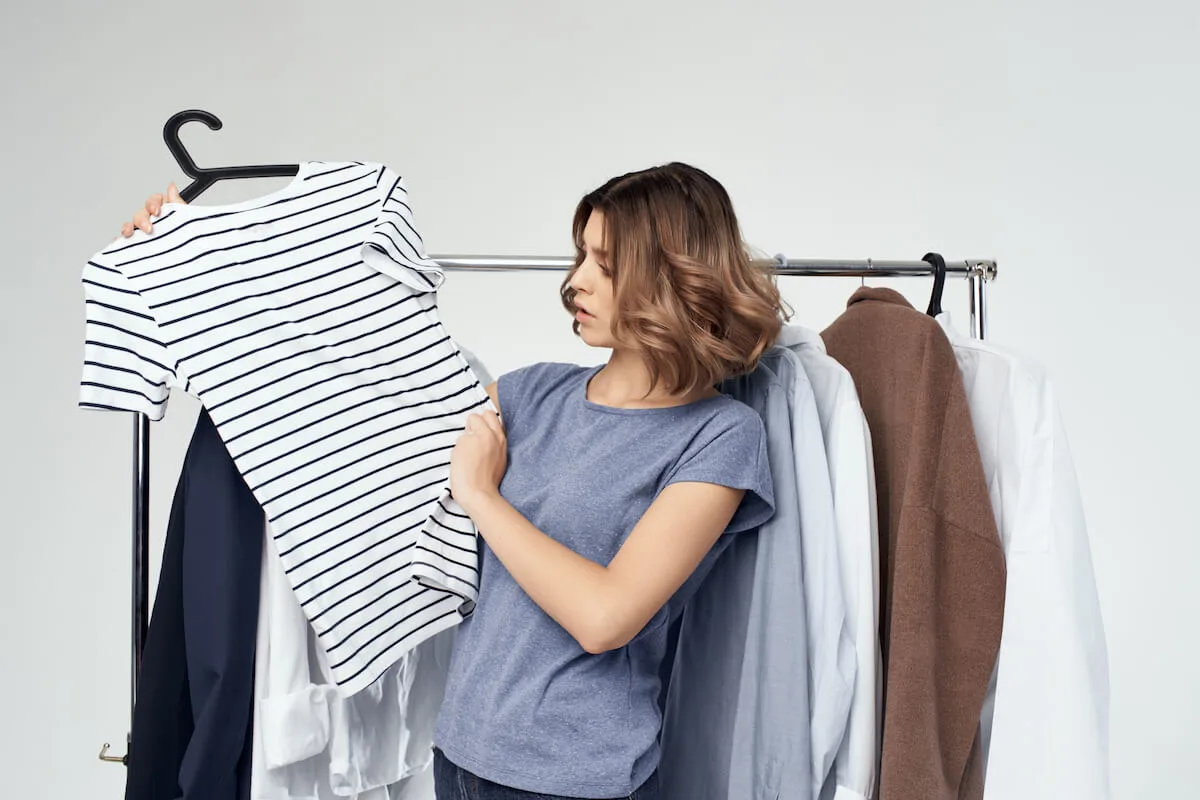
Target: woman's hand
x=154 y=204
x=479 y=459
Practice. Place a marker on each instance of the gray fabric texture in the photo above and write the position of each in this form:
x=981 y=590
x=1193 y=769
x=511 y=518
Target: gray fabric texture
x=526 y=706
x=737 y=718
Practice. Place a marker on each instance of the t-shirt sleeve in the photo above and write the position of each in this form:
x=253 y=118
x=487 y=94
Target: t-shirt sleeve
x=394 y=247
x=126 y=365
x=509 y=391
x=732 y=453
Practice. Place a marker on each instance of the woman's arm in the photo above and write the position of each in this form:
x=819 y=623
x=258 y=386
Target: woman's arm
x=602 y=607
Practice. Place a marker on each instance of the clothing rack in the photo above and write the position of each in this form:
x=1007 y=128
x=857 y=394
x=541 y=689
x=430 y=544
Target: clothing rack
x=978 y=272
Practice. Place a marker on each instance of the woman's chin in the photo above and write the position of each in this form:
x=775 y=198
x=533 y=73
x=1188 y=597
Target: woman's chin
x=592 y=340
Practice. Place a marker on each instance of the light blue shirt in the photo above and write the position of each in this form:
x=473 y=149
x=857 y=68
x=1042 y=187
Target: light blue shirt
x=832 y=662
x=738 y=715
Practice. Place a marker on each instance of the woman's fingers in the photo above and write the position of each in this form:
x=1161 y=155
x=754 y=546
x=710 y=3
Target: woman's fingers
x=154 y=204
x=493 y=422
x=484 y=423
x=153 y=207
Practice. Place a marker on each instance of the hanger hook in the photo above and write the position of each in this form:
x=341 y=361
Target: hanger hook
x=171 y=137
x=104 y=756
x=939 y=282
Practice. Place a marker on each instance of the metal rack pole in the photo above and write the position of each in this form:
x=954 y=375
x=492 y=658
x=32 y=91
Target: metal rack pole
x=141 y=547
x=983 y=268
x=139 y=569
x=978 y=272
x=978 y=289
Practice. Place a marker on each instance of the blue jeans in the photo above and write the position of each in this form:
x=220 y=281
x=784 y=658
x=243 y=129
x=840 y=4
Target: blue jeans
x=452 y=782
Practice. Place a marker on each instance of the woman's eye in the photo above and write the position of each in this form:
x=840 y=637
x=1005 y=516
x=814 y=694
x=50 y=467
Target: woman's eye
x=604 y=269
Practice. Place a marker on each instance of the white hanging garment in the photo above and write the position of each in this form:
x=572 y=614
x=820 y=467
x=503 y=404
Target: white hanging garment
x=847 y=442
x=311 y=742
x=1045 y=719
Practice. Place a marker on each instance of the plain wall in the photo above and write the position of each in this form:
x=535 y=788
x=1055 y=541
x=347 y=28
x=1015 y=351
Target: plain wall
x=1057 y=137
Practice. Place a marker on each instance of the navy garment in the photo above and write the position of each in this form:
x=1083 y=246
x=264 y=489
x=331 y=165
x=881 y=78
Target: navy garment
x=222 y=568
x=162 y=716
x=194 y=714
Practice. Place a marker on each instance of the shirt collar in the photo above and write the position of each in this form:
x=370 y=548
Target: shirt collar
x=879 y=294
x=951 y=332
x=793 y=336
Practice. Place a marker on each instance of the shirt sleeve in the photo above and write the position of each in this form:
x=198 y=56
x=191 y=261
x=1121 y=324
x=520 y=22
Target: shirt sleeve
x=394 y=247
x=733 y=453
x=510 y=391
x=126 y=366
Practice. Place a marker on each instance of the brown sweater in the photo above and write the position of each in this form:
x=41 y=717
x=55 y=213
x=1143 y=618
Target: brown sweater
x=941 y=564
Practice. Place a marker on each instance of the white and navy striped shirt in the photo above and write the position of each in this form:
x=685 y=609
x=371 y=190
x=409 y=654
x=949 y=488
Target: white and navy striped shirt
x=306 y=322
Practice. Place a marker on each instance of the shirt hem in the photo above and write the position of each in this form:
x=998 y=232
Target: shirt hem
x=525 y=783
x=846 y=793
x=107 y=401
x=356 y=683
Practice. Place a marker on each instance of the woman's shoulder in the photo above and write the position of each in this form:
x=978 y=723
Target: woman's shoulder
x=543 y=372
x=730 y=413
x=533 y=383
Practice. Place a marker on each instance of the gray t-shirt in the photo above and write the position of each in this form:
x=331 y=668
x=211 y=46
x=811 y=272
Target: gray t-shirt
x=525 y=705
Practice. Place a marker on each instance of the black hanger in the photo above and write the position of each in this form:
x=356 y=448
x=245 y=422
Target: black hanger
x=207 y=176
x=939 y=282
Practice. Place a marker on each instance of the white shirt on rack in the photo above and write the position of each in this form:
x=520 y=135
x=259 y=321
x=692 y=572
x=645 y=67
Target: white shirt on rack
x=1045 y=718
x=310 y=742
x=831 y=658
x=306 y=322
x=847 y=442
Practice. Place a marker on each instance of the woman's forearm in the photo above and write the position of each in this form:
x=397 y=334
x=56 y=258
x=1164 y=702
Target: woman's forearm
x=575 y=591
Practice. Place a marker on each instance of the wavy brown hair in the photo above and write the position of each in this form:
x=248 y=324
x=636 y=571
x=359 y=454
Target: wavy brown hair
x=688 y=296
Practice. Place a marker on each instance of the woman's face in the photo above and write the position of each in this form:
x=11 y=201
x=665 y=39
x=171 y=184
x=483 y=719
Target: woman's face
x=593 y=287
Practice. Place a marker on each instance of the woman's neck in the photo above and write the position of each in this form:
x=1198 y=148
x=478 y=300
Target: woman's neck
x=624 y=383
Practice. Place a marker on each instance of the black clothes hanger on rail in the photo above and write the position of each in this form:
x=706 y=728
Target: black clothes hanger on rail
x=207 y=176
x=939 y=282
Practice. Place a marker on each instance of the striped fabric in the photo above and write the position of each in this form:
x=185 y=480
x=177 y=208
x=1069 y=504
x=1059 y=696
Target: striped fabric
x=306 y=322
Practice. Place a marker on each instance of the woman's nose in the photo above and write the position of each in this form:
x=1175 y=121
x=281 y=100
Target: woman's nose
x=579 y=280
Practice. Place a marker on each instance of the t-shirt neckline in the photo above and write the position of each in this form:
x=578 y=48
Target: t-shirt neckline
x=302 y=173
x=590 y=373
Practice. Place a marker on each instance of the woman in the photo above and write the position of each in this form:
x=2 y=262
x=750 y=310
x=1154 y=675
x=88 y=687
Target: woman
x=603 y=495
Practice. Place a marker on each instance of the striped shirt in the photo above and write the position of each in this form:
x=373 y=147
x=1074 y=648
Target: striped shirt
x=306 y=323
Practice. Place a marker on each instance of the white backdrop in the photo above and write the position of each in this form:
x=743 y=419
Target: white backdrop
x=1057 y=137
